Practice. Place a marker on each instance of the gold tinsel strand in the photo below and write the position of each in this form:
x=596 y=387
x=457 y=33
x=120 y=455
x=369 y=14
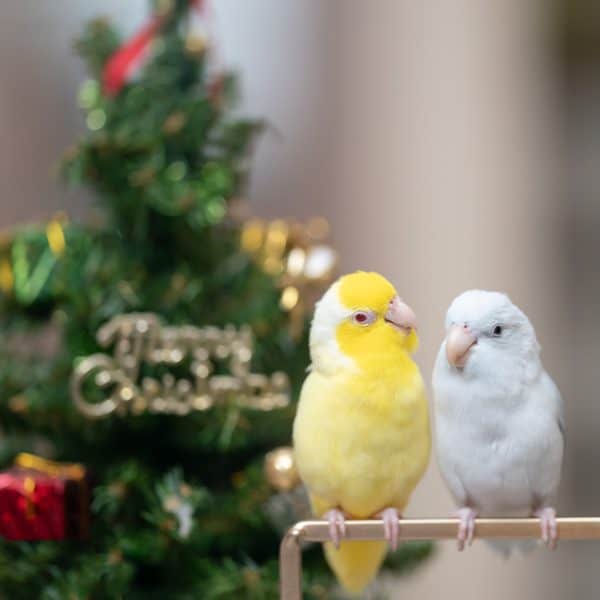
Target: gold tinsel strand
x=55 y=237
x=7 y=279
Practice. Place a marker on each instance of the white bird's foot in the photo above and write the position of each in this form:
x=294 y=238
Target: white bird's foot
x=547 y=517
x=337 y=525
x=466 y=527
x=391 y=526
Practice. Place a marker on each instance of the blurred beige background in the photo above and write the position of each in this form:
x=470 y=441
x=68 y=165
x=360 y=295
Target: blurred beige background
x=450 y=147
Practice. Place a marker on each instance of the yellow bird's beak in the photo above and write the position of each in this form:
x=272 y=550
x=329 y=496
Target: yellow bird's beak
x=401 y=316
x=459 y=341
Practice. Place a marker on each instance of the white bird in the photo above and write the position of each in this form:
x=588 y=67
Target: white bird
x=498 y=414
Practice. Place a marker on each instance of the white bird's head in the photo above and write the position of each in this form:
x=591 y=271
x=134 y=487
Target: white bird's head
x=487 y=334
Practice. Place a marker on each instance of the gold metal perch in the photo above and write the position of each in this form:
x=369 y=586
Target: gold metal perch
x=290 y=554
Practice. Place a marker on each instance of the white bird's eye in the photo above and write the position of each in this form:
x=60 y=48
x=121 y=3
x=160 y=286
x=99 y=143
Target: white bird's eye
x=497 y=330
x=363 y=317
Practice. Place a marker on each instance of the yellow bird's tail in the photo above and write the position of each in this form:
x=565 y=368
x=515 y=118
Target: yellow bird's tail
x=355 y=563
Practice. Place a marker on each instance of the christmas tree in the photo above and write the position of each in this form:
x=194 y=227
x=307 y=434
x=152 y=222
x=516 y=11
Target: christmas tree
x=149 y=346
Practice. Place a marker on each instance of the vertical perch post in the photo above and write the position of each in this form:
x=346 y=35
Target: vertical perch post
x=290 y=565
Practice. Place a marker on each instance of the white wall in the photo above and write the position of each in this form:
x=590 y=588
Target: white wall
x=38 y=116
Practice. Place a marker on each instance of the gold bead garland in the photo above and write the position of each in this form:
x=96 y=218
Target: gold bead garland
x=141 y=339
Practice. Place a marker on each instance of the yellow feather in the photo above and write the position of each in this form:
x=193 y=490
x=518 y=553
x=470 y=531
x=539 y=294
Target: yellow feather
x=355 y=563
x=361 y=435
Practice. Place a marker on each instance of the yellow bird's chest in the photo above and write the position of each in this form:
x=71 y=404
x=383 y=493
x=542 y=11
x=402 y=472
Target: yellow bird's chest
x=362 y=443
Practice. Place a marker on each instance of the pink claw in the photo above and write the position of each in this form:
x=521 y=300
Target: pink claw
x=391 y=526
x=547 y=517
x=466 y=527
x=337 y=525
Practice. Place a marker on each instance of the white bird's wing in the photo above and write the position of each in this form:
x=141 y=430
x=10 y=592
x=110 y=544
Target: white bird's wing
x=547 y=405
x=546 y=424
x=555 y=401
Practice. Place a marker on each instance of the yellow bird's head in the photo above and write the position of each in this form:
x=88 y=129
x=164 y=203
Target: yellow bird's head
x=361 y=320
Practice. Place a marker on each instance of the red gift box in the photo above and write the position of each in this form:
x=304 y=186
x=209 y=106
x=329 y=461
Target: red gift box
x=43 y=500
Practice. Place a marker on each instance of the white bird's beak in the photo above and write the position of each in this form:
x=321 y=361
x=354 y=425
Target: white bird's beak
x=400 y=315
x=459 y=341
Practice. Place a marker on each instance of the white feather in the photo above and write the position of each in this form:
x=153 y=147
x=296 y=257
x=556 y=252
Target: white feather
x=324 y=349
x=499 y=420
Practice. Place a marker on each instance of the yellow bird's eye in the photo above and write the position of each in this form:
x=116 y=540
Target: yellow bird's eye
x=363 y=317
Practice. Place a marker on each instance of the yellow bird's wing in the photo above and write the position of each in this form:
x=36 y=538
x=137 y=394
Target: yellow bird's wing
x=361 y=445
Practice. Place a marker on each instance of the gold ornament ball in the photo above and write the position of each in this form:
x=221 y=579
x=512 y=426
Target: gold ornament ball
x=164 y=7
x=280 y=469
x=175 y=122
x=195 y=45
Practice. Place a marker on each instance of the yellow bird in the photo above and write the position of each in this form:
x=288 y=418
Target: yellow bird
x=361 y=433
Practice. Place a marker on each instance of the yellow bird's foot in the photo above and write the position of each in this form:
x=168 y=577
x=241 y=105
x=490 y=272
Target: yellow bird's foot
x=466 y=527
x=547 y=517
x=337 y=525
x=391 y=526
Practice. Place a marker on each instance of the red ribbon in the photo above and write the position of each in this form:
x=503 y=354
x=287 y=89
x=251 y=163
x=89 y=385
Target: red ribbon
x=124 y=62
x=130 y=57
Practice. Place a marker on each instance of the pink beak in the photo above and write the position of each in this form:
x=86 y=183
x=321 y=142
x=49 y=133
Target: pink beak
x=400 y=315
x=459 y=341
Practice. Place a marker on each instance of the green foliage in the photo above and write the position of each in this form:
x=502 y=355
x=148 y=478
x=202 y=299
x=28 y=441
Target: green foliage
x=97 y=44
x=179 y=506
